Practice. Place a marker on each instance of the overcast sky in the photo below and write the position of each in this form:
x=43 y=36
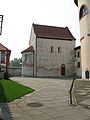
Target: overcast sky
x=20 y=14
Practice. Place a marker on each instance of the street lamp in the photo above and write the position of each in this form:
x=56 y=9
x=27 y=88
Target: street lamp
x=1 y=21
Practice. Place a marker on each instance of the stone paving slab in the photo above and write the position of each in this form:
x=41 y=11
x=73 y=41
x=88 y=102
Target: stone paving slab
x=53 y=94
x=86 y=102
x=82 y=93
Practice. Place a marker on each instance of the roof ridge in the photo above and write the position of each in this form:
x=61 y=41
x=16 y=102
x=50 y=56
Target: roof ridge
x=48 y=26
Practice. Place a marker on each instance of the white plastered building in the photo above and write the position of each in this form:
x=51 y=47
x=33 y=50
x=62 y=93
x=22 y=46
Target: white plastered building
x=84 y=19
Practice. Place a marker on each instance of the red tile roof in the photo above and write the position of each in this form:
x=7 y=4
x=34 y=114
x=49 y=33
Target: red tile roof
x=51 y=32
x=29 y=49
x=3 y=48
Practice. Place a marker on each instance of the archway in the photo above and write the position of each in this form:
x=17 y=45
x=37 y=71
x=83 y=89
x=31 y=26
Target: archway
x=87 y=74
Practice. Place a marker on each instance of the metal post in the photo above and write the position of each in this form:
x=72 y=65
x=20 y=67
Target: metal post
x=71 y=91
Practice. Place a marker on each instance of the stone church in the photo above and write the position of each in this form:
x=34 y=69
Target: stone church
x=51 y=53
x=52 y=49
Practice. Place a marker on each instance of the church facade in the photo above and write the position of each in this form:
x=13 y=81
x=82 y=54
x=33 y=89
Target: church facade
x=51 y=52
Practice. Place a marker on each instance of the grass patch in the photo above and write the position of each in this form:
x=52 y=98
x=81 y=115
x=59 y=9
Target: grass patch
x=11 y=90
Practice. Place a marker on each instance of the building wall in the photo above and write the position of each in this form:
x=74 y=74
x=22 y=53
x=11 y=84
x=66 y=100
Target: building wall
x=43 y=63
x=15 y=71
x=85 y=42
x=27 y=64
x=78 y=70
x=32 y=42
x=49 y=64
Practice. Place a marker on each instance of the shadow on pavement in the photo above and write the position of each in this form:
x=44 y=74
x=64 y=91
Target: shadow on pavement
x=5 y=113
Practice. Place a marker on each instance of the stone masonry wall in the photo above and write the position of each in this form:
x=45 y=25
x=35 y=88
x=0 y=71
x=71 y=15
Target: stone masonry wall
x=49 y=64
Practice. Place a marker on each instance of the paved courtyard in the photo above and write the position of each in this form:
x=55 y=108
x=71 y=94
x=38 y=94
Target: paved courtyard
x=49 y=101
x=82 y=93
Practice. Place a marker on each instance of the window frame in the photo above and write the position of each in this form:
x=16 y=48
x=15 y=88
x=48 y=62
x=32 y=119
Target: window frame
x=59 y=49
x=78 y=54
x=83 y=11
x=78 y=64
x=52 y=49
x=2 y=56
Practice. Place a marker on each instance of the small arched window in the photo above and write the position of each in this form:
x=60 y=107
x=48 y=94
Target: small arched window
x=83 y=11
x=59 y=49
x=52 y=49
x=63 y=69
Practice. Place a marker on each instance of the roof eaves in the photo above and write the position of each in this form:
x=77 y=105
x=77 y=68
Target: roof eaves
x=28 y=50
x=56 y=38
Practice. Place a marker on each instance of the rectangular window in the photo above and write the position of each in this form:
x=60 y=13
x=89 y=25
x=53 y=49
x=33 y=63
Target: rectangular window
x=74 y=54
x=52 y=49
x=78 y=54
x=2 y=57
x=59 y=49
x=78 y=64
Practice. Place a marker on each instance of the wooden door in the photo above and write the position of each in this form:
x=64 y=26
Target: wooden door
x=63 y=70
x=87 y=74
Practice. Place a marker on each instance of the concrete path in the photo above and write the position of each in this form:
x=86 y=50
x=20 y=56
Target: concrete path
x=51 y=100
